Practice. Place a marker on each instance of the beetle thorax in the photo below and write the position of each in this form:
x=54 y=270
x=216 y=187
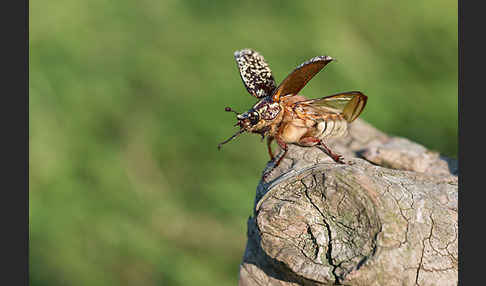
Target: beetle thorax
x=267 y=110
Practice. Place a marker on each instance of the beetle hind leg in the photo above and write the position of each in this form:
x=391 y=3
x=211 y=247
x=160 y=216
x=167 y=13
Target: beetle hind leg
x=336 y=157
x=314 y=141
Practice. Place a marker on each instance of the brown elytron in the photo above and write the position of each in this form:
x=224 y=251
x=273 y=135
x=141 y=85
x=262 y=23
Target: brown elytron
x=284 y=115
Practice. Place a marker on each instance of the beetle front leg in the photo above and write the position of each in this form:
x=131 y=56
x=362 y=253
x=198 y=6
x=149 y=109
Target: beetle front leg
x=269 y=142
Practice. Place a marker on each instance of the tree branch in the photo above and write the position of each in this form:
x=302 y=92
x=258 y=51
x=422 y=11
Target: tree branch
x=387 y=217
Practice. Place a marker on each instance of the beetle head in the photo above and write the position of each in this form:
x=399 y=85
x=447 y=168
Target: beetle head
x=261 y=115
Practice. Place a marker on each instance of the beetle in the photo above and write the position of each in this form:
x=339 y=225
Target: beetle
x=283 y=115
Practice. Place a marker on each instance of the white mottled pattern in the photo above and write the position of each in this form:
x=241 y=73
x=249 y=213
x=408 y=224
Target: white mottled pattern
x=255 y=73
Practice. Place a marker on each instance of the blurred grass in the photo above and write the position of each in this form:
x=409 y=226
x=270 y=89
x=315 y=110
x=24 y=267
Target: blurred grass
x=126 y=109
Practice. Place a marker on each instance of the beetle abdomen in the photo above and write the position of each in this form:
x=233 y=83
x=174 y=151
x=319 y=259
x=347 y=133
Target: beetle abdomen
x=332 y=127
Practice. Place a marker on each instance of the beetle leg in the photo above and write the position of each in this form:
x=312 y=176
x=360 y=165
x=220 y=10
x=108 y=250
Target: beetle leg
x=269 y=142
x=285 y=148
x=309 y=141
x=336 y=157
x=312 y=141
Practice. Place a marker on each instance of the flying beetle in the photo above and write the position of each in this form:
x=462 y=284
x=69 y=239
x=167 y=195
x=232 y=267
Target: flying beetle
x=281 y=114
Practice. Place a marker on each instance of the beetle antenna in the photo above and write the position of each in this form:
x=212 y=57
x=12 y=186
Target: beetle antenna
x=231 y=138
x=230 y=110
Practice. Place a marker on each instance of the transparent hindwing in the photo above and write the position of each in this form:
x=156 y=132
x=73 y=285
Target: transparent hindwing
x=348 y=104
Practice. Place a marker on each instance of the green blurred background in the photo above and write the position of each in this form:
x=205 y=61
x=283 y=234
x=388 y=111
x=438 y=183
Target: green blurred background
x=127 y=106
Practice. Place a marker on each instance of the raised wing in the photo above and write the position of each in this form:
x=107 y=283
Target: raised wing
x=299 y=77
x=349 y=104
x=255 y=73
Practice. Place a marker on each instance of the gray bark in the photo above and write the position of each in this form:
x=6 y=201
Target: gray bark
x=387 y=217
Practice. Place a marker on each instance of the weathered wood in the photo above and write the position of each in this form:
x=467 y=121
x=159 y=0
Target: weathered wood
x=388 y=217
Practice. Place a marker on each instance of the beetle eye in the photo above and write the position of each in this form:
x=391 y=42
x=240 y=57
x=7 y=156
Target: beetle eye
x=254 y=118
